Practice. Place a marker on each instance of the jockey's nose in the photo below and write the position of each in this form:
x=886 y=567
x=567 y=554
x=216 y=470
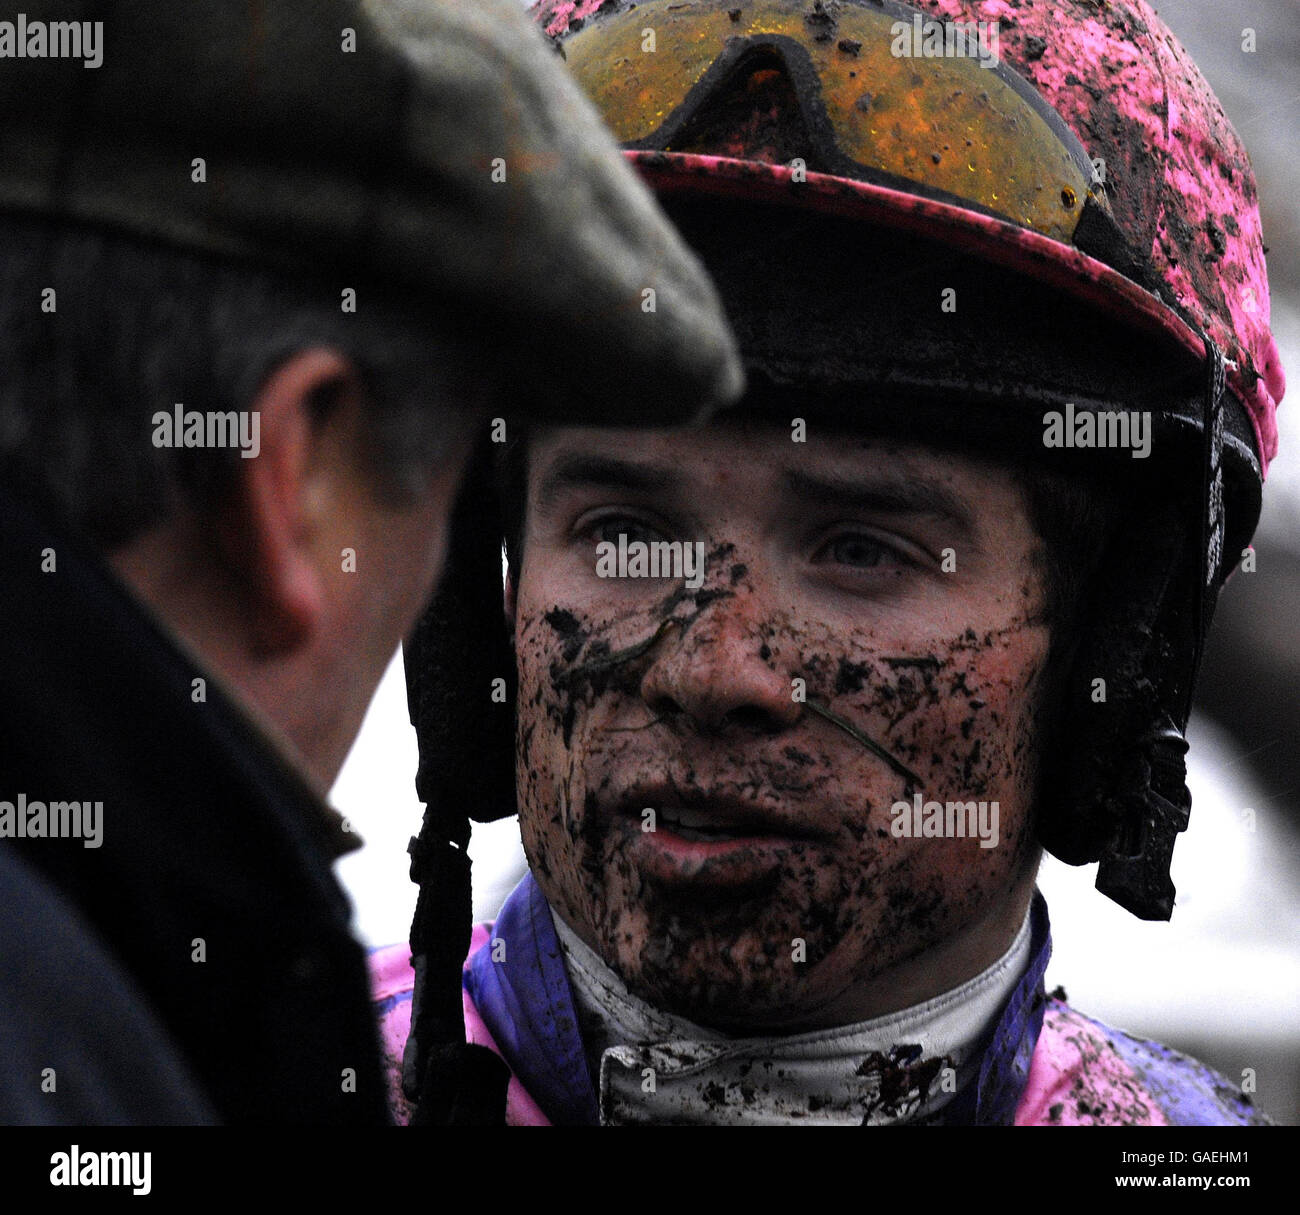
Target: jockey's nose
x=715 y=674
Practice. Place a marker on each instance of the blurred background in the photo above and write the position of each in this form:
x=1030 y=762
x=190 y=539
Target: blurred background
x=1222 y=980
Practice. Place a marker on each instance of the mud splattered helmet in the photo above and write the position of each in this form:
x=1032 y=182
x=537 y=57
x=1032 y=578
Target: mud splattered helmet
x=1065 y=171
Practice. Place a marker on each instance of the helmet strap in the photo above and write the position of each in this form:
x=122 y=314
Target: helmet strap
x=1212 y=510
x=466 y=741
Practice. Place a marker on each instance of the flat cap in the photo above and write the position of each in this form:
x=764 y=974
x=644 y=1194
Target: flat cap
x=436 y=148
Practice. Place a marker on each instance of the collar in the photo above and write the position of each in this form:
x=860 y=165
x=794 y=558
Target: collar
x=528 y=1004
x=904 y=1066
x=81 y=649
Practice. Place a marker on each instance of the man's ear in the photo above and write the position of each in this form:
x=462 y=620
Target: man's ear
x=267 y=525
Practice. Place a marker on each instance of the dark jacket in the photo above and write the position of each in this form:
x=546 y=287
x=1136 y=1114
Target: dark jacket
x=212 y=848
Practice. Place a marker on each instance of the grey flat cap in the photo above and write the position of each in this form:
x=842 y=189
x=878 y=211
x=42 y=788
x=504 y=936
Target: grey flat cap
x=437 y=147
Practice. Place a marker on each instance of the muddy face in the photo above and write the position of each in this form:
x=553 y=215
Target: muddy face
x=706 y=775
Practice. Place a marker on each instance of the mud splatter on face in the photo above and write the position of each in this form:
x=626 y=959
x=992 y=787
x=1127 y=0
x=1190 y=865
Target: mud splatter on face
x=688 y=710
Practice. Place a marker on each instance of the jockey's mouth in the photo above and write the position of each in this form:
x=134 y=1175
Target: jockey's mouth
x=708 y=839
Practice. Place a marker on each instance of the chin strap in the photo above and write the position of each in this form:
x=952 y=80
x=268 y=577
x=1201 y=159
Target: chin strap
x=451 y=1082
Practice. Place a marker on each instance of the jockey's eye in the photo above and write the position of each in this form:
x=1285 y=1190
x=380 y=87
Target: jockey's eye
x=859 y=550
x=609 y=528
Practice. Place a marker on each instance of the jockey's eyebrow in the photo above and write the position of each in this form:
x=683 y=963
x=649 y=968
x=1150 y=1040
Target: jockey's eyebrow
x=603 y=472
x=913 y=494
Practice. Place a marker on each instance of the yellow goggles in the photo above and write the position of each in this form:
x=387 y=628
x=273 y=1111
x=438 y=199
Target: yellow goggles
x=886 y=95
